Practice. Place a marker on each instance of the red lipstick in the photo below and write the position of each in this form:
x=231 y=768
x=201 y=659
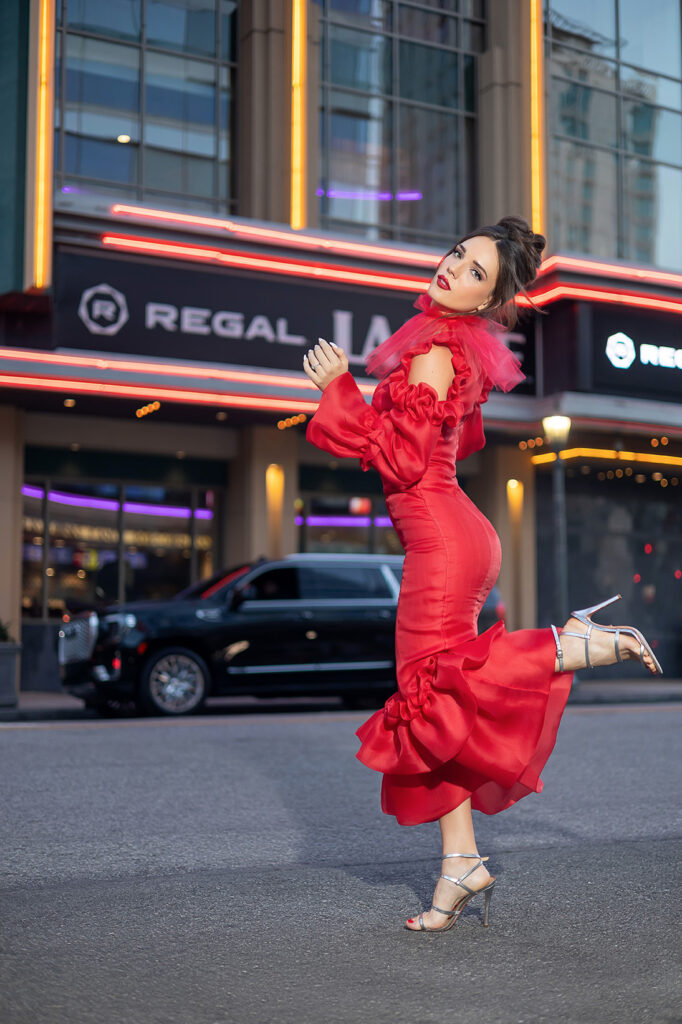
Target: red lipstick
x=443 y=283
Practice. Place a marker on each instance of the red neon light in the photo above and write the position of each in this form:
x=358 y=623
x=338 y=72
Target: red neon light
x=167 y=394
x=544 y=296
x=642 y=274
x=287 y=238
x=130 y=365
x=399 y=282
x=297 y=268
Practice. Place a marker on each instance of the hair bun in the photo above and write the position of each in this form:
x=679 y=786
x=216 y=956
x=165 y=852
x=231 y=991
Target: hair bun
x=519 y=231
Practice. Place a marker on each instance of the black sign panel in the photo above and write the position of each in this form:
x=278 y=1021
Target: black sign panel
x=637 y=354
x=120 y=306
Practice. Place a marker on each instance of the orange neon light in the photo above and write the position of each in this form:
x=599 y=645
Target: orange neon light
x=42 y=230
x=298 y=113
x=163 y=369
x=607 y=453
x=537 y=132
x=145 y=393
x=267 y=264
x=281 y=237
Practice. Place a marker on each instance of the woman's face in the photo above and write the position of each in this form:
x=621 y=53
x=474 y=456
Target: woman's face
x=465 y=279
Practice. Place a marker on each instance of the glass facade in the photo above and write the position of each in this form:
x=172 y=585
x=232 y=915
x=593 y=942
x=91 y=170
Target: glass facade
x=111 y=542
x=616 y=128
x=398 y=117
x=145 y=98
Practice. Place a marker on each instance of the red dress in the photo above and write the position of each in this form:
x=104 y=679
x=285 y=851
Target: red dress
x=474 y=716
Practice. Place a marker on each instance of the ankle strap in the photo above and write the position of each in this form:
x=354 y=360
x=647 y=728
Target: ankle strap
x=476 y=856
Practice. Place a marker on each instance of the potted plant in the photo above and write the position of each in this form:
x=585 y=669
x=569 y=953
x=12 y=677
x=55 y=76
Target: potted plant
x=9 y=668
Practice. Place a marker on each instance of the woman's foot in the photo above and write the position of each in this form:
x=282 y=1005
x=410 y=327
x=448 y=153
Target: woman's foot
x=448 y=894
x=601 y=646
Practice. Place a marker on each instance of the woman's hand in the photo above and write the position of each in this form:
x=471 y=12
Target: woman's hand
x=324 y=362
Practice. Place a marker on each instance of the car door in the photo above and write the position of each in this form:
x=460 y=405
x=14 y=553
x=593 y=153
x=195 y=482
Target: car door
x=350 y=609
x=267 y=644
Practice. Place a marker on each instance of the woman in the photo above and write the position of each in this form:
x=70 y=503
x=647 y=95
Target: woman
x=475 y=717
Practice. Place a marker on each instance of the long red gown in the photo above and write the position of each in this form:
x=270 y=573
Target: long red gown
x=474 y=716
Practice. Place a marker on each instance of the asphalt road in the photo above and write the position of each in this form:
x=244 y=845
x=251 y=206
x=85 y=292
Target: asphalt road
x=238 y=869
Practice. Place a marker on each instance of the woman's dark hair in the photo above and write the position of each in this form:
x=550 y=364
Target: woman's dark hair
x=519 y=251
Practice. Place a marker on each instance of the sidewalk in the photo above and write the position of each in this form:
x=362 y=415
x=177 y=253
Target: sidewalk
x=39 y=706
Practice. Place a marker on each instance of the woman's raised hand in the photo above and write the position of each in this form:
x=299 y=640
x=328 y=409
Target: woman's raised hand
x=324 y=362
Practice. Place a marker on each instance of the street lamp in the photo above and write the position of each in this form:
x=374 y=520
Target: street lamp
x=557 y=429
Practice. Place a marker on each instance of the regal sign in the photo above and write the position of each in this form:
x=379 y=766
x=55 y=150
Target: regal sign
x=108 y=303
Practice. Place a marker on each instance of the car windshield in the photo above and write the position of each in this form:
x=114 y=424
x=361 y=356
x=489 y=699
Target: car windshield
x=213 y=584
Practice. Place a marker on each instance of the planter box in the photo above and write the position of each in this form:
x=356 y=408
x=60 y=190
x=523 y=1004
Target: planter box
x=10 y=655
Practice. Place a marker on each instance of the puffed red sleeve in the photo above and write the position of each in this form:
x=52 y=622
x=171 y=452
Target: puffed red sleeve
x=397 y=440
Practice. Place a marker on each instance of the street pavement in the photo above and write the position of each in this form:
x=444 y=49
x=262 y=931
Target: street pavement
x=237 y=868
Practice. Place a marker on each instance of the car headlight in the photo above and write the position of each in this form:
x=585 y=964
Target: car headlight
x=119 y=623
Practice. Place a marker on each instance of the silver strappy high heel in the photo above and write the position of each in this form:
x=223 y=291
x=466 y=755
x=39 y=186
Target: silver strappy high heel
x=583 y=615
x=453 y=914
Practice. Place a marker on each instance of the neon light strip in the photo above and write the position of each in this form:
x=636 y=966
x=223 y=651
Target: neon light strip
x=285 y=238
x=299 y=44
x=363 y=521
x=165 y=394
x=399 y=282
x=537 y=134
x=163 y=369
x=645 y=275
x=43 y=187
x=609 y=454
x=111 y=505
x=270 y=265
x=545 y=296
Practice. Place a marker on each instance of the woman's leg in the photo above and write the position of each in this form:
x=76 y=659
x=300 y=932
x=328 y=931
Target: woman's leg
x=457 y=835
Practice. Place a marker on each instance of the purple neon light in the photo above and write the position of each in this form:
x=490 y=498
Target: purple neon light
x=342 y=521
x=111 y=505
x=342 y=193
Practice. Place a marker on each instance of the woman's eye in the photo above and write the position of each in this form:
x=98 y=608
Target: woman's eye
x=478 y=276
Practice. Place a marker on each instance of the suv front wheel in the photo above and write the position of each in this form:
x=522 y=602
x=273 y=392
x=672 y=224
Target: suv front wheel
x=174 y=682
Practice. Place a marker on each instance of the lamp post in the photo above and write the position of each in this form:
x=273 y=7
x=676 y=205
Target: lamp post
x=557 y=429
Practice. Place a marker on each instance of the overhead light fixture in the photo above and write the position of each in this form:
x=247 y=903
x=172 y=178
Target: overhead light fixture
x=123 y=138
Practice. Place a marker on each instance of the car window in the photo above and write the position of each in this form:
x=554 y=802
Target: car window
x=335 y=581
x=273 y=585
x=397 y=570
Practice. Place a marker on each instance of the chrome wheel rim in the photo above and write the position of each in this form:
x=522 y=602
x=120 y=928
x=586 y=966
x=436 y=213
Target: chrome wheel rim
x=176 y=683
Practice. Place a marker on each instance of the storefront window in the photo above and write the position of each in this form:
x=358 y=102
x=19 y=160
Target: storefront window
x=169 y=539
x=341 y=523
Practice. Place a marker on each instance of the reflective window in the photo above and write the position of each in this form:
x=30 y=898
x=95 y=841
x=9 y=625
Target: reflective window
x=650 y=37
x=272 y=585
x=624 y=204
x=122 y=18
x=583 y=113
x=385 y=152
x=650 y=131
x=106 y=89
x=584 y=199
x=359 y=60
x=187 y=25
x=158 y=541
x=653 y=213
x=32 y=551
x=588 y=24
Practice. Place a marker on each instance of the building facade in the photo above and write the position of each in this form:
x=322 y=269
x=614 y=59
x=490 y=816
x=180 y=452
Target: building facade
x=195 y=190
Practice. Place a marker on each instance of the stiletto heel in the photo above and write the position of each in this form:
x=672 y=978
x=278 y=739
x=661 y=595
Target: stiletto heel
x=584 y=615
x=486 y=906
x=459 y=906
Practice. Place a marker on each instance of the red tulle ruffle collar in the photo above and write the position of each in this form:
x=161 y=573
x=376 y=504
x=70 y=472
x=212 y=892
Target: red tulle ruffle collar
x=439 y=324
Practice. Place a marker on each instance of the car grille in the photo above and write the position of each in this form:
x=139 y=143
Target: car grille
x=77 y=639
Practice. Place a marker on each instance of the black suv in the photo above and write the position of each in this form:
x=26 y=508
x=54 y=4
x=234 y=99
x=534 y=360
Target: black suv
x=305 y=624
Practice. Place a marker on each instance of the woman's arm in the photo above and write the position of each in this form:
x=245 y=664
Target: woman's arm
x=399 y=440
